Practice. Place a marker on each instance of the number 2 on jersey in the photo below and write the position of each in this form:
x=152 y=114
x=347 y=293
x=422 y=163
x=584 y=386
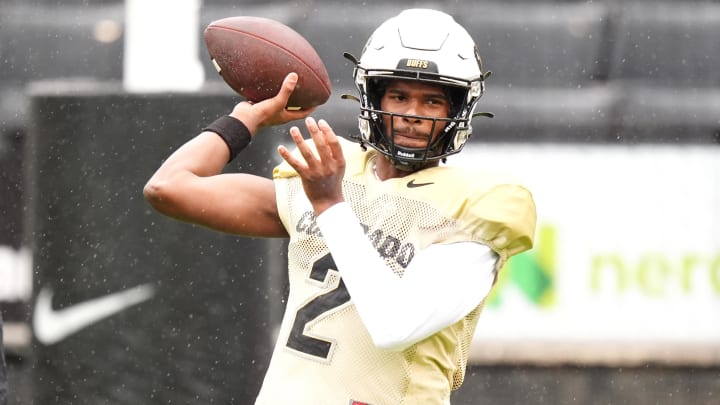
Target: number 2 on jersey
x=316 y=309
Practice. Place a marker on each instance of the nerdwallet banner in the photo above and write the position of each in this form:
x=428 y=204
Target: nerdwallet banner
x=626 y=267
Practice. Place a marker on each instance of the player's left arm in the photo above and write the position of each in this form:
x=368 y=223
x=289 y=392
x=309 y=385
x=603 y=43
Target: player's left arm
x=442 y=284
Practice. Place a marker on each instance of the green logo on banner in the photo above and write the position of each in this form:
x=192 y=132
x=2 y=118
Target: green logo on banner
x=531 y=273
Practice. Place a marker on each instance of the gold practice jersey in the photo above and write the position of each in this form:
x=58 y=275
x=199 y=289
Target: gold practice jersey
x=324 y=354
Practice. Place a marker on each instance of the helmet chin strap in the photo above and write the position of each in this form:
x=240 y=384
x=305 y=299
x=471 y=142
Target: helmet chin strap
x=408 y=166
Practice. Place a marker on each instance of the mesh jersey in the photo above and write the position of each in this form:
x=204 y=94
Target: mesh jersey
x=323 y=354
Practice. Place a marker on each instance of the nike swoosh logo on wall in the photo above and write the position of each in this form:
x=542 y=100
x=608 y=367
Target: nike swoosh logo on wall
x=412 y=184
x=52 y=326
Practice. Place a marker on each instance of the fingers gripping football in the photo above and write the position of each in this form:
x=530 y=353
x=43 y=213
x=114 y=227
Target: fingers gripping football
x=321 y=169
x=271 y=111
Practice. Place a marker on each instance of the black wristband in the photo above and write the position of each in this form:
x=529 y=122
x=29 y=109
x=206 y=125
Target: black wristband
x=235 y=134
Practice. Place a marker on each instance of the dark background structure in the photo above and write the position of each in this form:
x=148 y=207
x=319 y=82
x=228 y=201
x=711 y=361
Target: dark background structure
x=75 y=150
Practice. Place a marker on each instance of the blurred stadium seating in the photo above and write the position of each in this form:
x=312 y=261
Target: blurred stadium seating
x=666 y=44
x=664 y=57
x=549 y=69
x=61 y=42
x=563 y=71
x=55 y=42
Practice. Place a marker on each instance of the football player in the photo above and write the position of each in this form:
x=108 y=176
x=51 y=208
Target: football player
x=391 y=254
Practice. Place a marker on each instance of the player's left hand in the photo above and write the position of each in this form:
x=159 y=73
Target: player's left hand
x=321 y=172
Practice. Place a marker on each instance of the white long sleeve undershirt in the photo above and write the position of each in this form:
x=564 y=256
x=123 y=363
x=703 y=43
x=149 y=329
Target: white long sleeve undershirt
x=442 y=284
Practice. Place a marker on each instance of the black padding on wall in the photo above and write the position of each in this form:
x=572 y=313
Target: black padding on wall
x=206 y=334
x=11 y=188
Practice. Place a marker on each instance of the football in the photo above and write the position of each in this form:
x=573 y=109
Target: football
x=254 y=54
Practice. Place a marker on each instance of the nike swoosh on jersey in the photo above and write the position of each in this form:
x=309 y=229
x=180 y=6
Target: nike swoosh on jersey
x=412 y=184
x=52 y=326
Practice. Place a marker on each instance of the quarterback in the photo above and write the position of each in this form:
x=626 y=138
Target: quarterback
x=391 y=254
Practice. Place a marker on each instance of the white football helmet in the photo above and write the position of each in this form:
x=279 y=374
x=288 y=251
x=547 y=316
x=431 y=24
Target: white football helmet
x=424 y=45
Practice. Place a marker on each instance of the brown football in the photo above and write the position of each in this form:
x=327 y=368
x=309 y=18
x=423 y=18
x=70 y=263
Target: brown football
x=254 y=54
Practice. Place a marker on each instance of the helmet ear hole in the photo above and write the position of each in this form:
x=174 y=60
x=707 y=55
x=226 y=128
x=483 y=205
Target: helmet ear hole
x=456 y=98
x=376 y=90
